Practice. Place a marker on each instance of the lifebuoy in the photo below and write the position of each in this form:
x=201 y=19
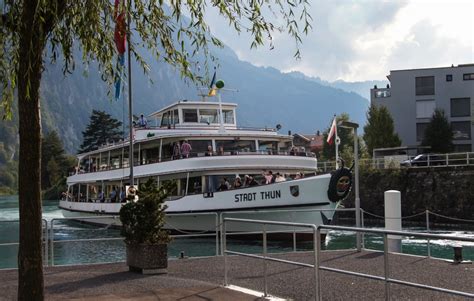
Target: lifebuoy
x=340 y=184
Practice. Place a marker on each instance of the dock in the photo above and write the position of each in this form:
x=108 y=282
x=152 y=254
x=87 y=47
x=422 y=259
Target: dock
x=202 y=278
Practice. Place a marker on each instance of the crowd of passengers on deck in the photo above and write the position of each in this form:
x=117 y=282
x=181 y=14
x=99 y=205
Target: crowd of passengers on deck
x=118 y=195
x=250 y=181
x=183 y=150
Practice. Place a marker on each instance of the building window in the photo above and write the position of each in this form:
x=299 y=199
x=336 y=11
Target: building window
x=420 y=131
x=425 y=85
x=461 y=130
x=382 y=93
x=190 y=115
x=425 y=108
x=449 y=77
x=460 y=107
x=468 y=76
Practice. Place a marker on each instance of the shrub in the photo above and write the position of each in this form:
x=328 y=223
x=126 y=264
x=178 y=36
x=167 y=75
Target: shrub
x=143 y=220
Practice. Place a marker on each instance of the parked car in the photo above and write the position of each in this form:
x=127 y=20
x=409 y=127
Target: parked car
x=423 y=159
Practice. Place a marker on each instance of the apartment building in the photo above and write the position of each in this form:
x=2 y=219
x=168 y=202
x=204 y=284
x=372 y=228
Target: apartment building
x=414 y=94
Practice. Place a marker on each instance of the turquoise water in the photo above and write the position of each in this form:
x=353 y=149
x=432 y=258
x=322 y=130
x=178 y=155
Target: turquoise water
x=114 y=250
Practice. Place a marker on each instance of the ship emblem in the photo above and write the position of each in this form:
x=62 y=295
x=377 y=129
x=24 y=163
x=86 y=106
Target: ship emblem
x=295 y=190
x=343 y=185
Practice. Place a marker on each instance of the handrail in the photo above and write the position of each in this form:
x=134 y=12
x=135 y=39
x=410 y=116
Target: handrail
x=52 y=241
x=232 y=153
x=386 y=277
x=44 y=239
x=433 y=160
x=265 y=257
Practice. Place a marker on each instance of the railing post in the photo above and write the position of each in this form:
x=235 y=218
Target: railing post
x=294 y=240
x=427 y=212
x=52 y=242
x=265 y=285
x=317 y=254
x=221 y=228
x=386 y=271
x=224 y=249
x=217 y=233
x=363 y=226
x=46 y=243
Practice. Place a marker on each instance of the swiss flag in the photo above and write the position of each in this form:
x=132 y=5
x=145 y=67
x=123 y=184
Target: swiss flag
x=332 y=132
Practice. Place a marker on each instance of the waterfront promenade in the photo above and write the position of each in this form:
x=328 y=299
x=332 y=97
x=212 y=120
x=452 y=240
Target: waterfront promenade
x=201 y=278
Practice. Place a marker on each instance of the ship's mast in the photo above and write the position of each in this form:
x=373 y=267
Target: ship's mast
x=130 y=106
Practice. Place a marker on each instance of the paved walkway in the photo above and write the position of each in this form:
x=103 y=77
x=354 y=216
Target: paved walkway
x=200 y=279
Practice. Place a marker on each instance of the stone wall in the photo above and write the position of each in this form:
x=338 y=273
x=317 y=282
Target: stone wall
x=445 y=190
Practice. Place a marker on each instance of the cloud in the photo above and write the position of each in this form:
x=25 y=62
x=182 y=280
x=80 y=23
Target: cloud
x=360 y=40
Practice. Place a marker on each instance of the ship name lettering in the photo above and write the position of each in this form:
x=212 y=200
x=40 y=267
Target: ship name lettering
x=264 y=195
x=245 y=197
x=270 y=194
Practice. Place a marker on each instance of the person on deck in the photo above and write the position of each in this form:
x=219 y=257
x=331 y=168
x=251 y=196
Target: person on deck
x=113 y=195
x=123 y=195
x=142 y=122
x=237 y=182
x=176 y=151
x=279 y=178
x=209 y=151
x=186 y=149
x=252 y=182
x=101 y=196
x=268 y=177
x=220 y=152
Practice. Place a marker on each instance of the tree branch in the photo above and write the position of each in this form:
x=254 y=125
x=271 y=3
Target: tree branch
x=56 y=12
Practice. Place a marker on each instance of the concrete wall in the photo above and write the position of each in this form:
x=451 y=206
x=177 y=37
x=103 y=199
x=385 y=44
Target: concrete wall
x=444 y=190
x=402 y=100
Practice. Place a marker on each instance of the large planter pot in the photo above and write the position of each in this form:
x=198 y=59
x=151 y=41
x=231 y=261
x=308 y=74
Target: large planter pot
x=147 y=259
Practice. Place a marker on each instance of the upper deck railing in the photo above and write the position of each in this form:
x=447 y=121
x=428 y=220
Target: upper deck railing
x=90 y=168
x=192 y=127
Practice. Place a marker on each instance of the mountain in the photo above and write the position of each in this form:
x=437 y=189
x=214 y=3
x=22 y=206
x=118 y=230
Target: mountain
x=362 y=87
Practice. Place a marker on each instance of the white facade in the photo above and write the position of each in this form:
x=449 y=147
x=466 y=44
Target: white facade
x=414 y=94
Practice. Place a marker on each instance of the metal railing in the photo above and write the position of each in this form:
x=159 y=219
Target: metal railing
x=107 y=167
x=430 y=160
x=386 y=278
x=44 y=239
x=265 y=253
x=426 y=213
x=293 y=232
x=52 y=241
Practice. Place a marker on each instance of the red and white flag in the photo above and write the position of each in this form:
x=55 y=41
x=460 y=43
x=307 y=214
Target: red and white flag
x=332 y=132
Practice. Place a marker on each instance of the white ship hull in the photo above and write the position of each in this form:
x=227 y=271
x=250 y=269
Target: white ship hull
x=301 y=201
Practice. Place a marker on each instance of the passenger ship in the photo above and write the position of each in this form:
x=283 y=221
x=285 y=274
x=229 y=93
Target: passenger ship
x=220 y=149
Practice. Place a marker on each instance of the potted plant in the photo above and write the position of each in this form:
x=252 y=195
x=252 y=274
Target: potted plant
x=142 y=226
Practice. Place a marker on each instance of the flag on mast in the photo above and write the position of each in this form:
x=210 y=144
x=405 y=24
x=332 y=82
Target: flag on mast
x=120 y=35
x=212 y=91
x=332 y=132
x=333 y=136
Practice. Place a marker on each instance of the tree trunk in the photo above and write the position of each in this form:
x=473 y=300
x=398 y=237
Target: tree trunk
x=30 y=265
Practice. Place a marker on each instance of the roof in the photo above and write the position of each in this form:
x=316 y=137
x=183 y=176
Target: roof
x=191 y=103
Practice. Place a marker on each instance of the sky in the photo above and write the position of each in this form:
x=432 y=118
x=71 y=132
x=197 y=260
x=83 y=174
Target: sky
x=357 y=40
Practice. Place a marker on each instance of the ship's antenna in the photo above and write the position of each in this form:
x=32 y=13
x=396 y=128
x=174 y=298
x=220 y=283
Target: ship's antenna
x=130 y=106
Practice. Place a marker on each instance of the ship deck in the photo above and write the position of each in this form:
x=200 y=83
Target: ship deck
x=195 y=279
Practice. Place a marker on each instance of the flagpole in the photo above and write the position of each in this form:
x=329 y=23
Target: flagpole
x=337 y=144
x=221 y=126
x=130 y=105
